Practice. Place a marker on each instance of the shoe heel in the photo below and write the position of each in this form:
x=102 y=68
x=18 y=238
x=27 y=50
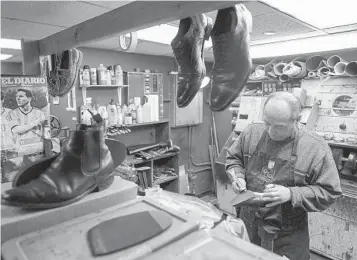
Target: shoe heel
x=208 y=28
x=103 y=185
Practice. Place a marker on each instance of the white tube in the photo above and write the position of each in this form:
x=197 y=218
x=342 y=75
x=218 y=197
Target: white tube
x=340 y=68
x=333 y=60
x=278 y=68
x=315 y=62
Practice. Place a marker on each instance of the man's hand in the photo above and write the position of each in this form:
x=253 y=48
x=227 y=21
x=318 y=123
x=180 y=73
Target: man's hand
x=275 y=194
x=239 y=185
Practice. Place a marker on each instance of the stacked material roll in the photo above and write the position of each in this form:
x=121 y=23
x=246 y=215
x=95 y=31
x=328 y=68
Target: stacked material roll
x=313 y=67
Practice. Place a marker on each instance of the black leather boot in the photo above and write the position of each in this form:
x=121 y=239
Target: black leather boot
x=232 y=61
x=188 y=51
x=85 y=165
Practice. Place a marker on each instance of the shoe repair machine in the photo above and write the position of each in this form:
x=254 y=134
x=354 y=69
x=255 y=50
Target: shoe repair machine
x=330 y=109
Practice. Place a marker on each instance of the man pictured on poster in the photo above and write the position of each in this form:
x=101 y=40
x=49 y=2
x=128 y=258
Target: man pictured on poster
x=26 y=120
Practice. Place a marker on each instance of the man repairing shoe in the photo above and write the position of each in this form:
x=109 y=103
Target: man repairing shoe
x=290 y=170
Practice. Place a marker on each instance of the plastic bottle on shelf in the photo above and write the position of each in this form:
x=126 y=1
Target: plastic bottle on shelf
x=147 y=112
x=139 y=114
x=86 y=75
x=80 y=75
x=119 y=77
x=120 y=115
x=102 y=75
x=112 y=113
x=102 y=111
x=86 y=117
x=93 y=76
x=124 y=110
x=109 y=75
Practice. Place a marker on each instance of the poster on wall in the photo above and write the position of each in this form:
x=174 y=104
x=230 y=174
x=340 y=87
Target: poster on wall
x=24 y=111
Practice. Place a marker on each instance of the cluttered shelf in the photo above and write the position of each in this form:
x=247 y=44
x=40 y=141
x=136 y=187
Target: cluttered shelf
x=131 y=159
x=104 y=86
x=149 y=123
x=162 y=180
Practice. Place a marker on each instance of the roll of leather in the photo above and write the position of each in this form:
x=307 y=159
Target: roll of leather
x=312 y=74
x=291 y=70
x=333 y=60
x=315 y=62
x=283 y=78
x=323 y=72
x=351 y=69
x=340 y=68
x=278 y=68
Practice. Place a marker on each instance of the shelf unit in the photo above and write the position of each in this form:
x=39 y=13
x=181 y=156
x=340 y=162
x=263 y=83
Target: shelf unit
x=169 y=160
x=97 y=87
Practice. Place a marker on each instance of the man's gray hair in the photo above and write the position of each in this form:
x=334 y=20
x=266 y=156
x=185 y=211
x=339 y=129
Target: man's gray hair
x=290 y=99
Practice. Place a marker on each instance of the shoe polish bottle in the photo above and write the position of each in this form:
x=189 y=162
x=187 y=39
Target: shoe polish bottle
x=112 y=113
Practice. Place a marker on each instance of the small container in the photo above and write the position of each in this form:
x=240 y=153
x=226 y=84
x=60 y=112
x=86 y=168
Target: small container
x=86 y=75
x=93 y=76
x=119 y=77
x=112 y=76
x=139 y=114
x=102 y=75
x=80 y=77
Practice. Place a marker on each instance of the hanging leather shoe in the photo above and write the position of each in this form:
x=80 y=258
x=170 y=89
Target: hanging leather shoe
x=63 y=75
x=188 y=51
x=232 y=62
x=85 y=165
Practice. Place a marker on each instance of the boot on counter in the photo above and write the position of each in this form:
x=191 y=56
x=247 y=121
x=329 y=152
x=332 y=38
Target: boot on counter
x=65 y=68
x=232 y=61
x=84 y=165
x=188 y=51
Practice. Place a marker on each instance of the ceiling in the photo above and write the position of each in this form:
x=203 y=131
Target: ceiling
x=39 y=19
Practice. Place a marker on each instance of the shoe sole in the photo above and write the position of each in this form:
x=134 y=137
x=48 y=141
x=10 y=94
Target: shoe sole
x=96 y=188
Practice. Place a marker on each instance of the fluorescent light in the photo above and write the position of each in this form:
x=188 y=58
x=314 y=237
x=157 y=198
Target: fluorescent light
x=5 y=56
x=163 y=33
x=269 y=33
x=323 y=43
x=319 y=13
x=10 y=44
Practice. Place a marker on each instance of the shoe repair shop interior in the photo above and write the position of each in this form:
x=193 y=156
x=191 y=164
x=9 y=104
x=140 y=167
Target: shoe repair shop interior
x=115 y=123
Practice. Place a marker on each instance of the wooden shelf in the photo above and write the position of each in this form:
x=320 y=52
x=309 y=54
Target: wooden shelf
x=148 y=123
x=164 y=180
x=132 y=160
x=104 y=86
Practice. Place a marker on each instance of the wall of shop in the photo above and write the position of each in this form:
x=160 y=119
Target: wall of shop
x=11 y=68
x=201 y=133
